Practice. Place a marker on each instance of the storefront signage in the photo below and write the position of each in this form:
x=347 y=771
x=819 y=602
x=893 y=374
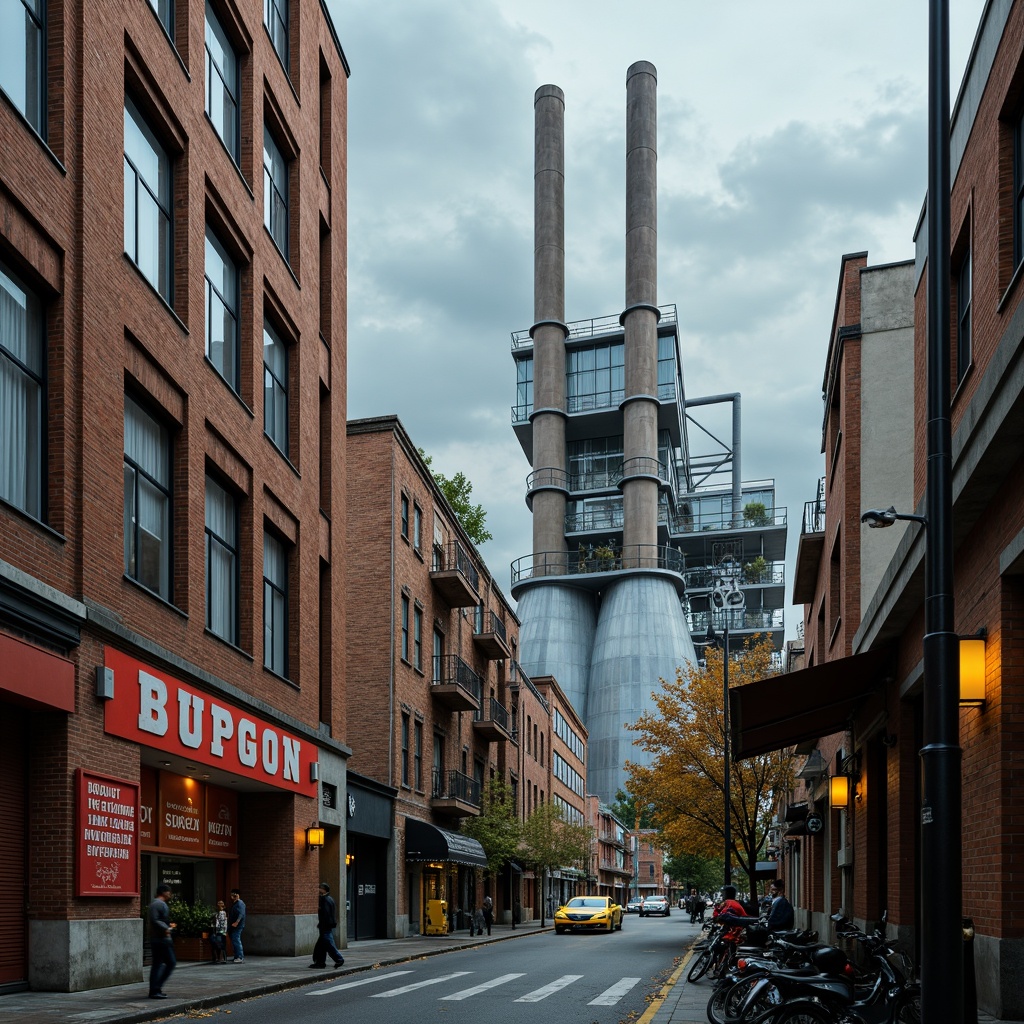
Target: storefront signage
x=181 y=813
x=107 y=841
x=156 y=710
x=221 y=821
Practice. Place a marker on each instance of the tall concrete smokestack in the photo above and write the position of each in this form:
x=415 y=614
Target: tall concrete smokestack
x=640 y=318
x=549 y=486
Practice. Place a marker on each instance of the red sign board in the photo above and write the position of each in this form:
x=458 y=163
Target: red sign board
x=106 y=840
x=156 y=710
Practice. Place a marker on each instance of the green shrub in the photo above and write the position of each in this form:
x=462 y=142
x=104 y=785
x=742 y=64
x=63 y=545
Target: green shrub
x=191 y=919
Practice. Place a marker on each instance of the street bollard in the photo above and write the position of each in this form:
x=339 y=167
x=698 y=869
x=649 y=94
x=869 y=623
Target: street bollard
x=970 y=981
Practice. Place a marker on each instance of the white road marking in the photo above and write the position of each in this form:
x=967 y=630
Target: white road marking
x=372 y=979
x=418 y=984
x=612 y=995
x=548 y=990
x=477 y=989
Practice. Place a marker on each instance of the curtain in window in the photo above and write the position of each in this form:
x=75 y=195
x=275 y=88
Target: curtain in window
x=147 y=504
x=221 y=555
x=21 y=397
x=274 y=606
x=275 y=394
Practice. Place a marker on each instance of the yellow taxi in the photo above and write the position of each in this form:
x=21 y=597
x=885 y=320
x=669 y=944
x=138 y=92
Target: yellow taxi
x=589 y=912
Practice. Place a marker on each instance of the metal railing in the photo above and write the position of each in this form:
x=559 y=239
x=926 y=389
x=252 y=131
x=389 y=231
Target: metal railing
x=548 y=476
x=643 y=465
x=592 y=328
x=488 y=622
x=740 y=618
x=580 y=563
x=595 y=519
x=455 y=556
x=453 y=785
x=451 y=670
x=814 y=517
x=495 y=712
x=706 y=577
x=726 y=521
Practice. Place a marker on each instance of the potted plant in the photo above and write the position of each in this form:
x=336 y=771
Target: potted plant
x=192 y=925
x=754 y=570
x=605 y=557
x=755 y=514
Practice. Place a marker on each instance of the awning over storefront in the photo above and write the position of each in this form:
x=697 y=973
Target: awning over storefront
x=426 y=842
x=783 y=710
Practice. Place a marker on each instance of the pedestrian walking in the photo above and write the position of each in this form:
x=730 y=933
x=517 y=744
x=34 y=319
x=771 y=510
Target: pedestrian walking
x=236 y=925
x=488 y=913
x=161 y=942
x=476 y=922
x=218 y=934
x=326 y=922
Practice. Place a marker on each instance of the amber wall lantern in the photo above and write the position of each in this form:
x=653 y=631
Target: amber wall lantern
x=314 y=837
x=972 y=670
x=839 y=791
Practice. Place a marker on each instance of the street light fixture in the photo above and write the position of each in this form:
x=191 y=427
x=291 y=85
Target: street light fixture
x=880 y=518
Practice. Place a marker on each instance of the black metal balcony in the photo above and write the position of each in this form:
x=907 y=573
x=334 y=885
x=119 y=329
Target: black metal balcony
x=453 y=793
x=492 y=721
x=489 y=635
x=455 y=575
x=455 y=684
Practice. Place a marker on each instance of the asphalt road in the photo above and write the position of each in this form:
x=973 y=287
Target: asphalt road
x=582 y=978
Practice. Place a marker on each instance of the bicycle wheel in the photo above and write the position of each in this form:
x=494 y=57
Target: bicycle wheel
x=700 y=966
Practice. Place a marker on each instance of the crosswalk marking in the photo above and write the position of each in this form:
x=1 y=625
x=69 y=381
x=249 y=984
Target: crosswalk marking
x=610 y=996
x=371 y=980
x=477 y=989
x=418 y=984
x=548 y=990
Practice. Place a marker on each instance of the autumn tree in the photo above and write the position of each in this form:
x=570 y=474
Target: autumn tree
x=684 y=783
x=458 y=493
x=497 y=828
x=551 y=840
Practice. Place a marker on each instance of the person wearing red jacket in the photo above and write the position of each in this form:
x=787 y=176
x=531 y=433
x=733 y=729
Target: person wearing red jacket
x=728 y=912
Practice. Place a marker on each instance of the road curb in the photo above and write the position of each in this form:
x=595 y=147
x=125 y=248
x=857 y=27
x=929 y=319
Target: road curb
x=659 y=1000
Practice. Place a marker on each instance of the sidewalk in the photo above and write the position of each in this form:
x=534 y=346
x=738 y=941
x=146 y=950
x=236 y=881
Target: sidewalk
x=194 y=986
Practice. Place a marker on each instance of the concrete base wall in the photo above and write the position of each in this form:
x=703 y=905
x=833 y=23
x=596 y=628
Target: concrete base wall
x=999 y=970
x=279 y=934
x=72 y=956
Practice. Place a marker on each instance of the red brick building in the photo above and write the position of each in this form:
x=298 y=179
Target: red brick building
x=435 y=701
x=865 y=636
x=613 y=866
x=172 y=410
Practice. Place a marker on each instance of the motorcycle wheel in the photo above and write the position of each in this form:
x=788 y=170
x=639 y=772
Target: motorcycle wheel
x=700 y=966
x=726 y=1001
x=908 y=1008
x=803 y=1012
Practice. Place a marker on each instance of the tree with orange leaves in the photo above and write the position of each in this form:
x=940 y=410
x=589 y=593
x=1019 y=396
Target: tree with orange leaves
x=684 y=784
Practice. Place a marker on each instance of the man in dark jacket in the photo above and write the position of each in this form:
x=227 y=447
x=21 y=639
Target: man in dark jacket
x=780 y=917
x=326 y=922
x=161 y=942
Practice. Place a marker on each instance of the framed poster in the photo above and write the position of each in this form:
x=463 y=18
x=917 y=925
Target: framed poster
x=106 y=835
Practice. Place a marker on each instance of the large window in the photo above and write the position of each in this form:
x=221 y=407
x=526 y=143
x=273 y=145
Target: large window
x=22 y=58
x=405 y=748
x=275 y=17
x=275 y=605
x=524 y=390
x=21 y=395
x=222 y=582
x=417 y=638
x=275 y=388
x=666 y=367
x=438 y=656
x=222 y=85
x=405 y=628
x=147 y=201
x=222 y=301
x=595 y=377
x=595 y=463
x=165 y=12
x=963 y=317
x=275 y=192
x=147 y=500
x=418 y=755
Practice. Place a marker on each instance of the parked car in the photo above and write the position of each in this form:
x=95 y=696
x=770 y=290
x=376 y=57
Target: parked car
x=634 y=905
x=589 y=912
x=656 y=905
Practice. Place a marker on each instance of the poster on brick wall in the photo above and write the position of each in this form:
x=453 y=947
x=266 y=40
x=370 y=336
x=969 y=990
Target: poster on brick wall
x=180 y=814
x=107 y=842
x=221 y=822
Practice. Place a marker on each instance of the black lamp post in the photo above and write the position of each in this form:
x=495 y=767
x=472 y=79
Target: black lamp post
x=712 y=641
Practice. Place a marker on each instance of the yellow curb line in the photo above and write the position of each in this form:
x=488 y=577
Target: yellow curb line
x=656 y=1003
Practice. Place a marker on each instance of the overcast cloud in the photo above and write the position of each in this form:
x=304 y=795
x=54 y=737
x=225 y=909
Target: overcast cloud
x=789 y=134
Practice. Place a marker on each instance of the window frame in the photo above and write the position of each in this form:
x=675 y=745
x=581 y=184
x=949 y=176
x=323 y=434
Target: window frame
x=272 y=9
x=964 y=336
x=164 y=204
x=133 y=527
x=233 y=89
x=275 y=608
x=1018 y=188
x=405 y=628
x=417 y=527
x=166 y=19
x=417 y=755
x=272 y=188
x=405 y=747
x=403 y=516
x=417 y=637
x=34 y=108
x=233 y=549
x=276 y=395
x=35 y=376
x=212 y=241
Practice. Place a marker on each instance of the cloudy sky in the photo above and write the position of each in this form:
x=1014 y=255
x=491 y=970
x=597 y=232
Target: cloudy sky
x=789 y=133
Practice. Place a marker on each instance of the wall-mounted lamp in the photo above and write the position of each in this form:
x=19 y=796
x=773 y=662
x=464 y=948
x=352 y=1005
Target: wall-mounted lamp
x=839 y=792
x=972 y=670
x=314 y=837
x=879 y=518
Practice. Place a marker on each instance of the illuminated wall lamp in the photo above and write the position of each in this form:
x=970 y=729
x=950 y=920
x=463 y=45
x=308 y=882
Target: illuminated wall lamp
x=839 y=792
x=972 y=670
x=314 y=837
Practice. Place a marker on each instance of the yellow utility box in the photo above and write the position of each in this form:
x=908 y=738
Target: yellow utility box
x=437 y=917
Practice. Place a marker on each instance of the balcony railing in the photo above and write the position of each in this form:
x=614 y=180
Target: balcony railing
x=814 y=516
x=582 y=563
x=455 y=575
x=702 y=522
x=643 y=465
x=595 y=519
x=492 y=721
x=751 y=574
x=455 y=792
x=490 y=636
x=755 y=619
x=592 y=328
x=455 y=684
